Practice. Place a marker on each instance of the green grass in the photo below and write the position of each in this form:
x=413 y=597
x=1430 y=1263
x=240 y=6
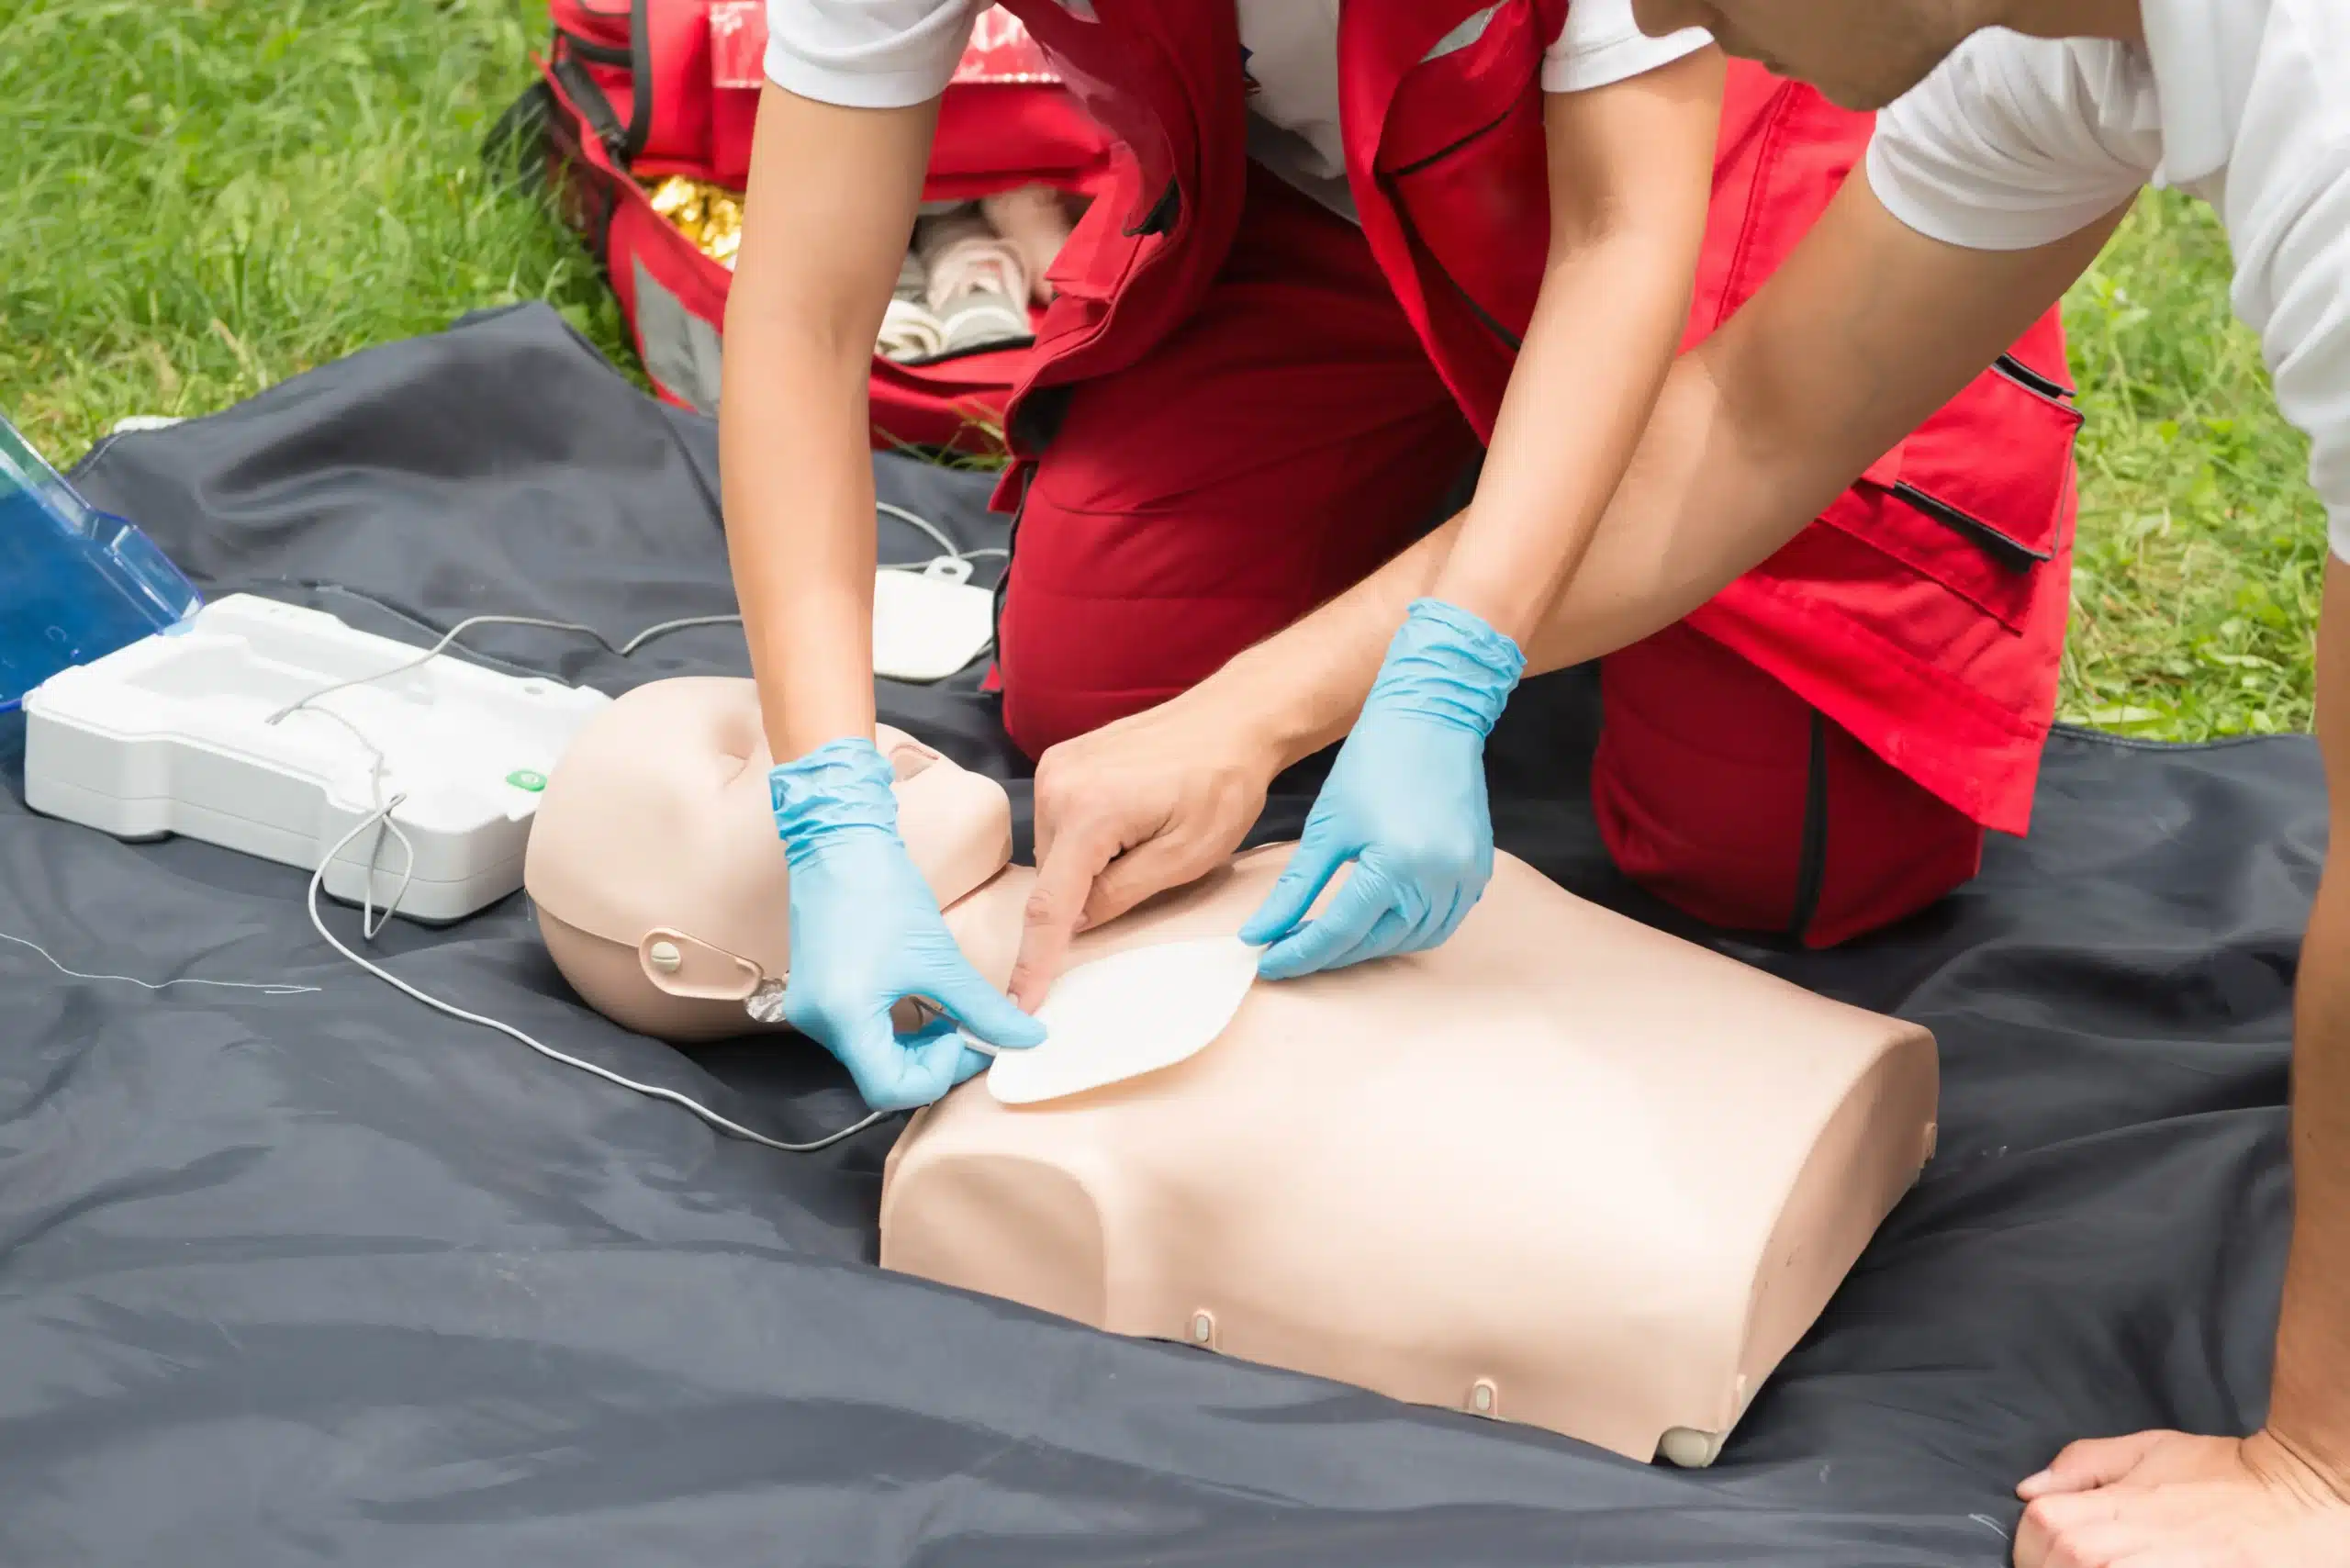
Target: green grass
x=2201 y=546
x=205 y=198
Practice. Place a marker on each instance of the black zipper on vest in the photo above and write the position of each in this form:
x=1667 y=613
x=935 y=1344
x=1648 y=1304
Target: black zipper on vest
x=1492 y=323
x=1160 y=219
x=1412 y=232
x=1441 y=153
x=2023 y=374
x=2010 y=552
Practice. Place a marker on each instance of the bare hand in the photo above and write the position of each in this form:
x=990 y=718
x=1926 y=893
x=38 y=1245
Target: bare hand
x=2168 y=1500
x=1136 y=807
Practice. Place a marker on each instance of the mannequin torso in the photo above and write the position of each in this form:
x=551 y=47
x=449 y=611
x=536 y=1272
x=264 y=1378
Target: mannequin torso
x=1563 y=1169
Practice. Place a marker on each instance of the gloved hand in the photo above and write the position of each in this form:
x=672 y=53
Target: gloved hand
x=865 y=933
x=1406 y=802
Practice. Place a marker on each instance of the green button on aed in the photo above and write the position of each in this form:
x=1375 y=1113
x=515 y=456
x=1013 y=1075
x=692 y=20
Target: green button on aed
x=524 y=778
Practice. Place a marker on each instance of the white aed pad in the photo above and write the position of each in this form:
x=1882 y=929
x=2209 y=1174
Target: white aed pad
x=1132 y=1012
x=171 y=735
x=927 y=624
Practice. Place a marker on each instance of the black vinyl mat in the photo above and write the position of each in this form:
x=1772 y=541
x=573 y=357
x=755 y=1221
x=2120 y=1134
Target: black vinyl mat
x=327 y=1277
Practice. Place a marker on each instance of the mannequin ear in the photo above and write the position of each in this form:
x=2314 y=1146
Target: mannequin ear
x=956 y=823
x=908 y=756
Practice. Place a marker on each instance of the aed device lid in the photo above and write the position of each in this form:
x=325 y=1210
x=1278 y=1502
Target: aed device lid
x=77 y=584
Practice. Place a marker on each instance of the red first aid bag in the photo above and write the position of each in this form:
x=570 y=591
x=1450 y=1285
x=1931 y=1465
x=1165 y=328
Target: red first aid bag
x=637 y=90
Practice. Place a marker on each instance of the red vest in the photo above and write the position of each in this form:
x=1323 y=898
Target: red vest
x=1924 y=612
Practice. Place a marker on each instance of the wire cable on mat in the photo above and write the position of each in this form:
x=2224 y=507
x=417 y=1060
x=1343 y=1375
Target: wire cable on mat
x=267 y=988
x=952 y=551
x=948 y=551
x=653 y=1091
x=380 y=819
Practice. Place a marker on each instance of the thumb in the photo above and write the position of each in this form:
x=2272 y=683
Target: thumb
x=887 y=1075
x=1311 y=866
x=2093 y=1462
x=965 y=996
x=937 y=1059
x=1347 y=921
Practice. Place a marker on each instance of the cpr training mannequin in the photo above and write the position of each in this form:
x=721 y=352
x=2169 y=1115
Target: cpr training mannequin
x=1563 y=1169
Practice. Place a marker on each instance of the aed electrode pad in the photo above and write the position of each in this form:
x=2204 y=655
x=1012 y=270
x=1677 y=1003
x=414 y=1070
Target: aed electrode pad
x=1132 y=1012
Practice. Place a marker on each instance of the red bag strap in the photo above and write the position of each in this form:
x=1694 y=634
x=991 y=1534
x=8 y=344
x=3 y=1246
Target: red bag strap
x=622 y=139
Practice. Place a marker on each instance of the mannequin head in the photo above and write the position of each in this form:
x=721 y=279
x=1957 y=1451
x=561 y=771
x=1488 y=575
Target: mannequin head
x=621 y=851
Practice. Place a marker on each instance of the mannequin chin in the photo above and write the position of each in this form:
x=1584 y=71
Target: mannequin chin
x=1564 y=1169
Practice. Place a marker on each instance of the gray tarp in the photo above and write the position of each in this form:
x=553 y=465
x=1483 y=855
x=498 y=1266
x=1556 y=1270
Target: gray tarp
x=328 y=1277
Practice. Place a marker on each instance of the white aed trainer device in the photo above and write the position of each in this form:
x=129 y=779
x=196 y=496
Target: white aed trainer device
x=235 y=728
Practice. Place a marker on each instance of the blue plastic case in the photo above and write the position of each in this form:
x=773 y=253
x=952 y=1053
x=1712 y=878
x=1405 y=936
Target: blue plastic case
x=75 y=583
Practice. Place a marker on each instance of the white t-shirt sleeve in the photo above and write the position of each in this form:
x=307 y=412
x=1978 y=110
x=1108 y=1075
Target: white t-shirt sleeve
x=867 y=54
x=2287 y=207
x=2292 y=283
x=1602 y=44
x=2002 y=149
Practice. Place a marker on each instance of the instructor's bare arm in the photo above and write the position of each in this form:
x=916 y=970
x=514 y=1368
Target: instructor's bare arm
x=2279 y=1497
x=1631 y=165
x=2309 y=1408
x=1864 y=332
x=825 y=223
x=1868 y=329
x=1628 y=168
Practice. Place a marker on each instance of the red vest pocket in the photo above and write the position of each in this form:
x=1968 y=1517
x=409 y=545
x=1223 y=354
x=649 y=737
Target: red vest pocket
x=1979 y=500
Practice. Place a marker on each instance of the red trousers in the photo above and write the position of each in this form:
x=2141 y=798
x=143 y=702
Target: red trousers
x=1289 y=439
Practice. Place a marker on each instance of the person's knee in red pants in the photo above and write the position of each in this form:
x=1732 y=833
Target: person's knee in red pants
x=1272 y=454
x=1733 y=800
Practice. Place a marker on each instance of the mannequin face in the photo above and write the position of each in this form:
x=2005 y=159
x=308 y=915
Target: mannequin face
x=1860 y=54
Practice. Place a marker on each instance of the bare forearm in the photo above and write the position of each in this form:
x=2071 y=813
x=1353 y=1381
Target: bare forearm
x=1865 y=331
x=2309 y=1406
x=1701 y=502
x=825 y=224
x=1565 y=433
x=1629 y=167
x=798 y=503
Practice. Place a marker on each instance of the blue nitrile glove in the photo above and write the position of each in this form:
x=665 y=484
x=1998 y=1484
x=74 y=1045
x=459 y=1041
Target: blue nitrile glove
x=1406 y=802
x=865 y=933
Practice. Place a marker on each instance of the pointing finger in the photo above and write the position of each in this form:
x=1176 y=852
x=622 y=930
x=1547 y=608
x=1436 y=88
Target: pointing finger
x=1064 y=875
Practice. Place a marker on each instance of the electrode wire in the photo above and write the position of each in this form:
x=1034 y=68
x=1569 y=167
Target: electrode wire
x=948 y=550
x=267 y=988
x=653 y=1091
x=952 y=551
x=381 y=818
